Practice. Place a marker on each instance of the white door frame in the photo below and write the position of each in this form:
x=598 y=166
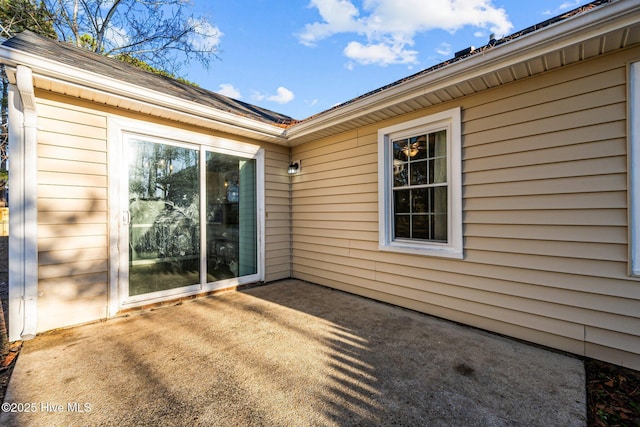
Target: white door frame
x=117 y=130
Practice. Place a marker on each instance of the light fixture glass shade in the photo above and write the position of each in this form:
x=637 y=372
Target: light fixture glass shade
x=293 y=169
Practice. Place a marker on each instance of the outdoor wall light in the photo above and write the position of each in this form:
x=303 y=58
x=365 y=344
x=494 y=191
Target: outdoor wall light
x=294 y=167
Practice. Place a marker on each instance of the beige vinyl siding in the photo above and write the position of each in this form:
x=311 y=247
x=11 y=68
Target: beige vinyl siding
x=73 y=224
x=277 y=214
x=72 y=216
x=544 y=216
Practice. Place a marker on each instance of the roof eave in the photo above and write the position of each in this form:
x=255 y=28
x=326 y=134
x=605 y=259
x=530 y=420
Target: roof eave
x=142 y=98
x=556 y=37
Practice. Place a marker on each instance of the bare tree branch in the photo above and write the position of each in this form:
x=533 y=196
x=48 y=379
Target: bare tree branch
x=105 y=23
x=161 y=33
x=158 y=35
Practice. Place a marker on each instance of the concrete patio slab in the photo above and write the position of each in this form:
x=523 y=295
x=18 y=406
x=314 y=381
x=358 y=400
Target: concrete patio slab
x=289 y=353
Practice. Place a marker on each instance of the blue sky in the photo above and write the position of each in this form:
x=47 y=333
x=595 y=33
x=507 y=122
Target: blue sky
x=301 y=57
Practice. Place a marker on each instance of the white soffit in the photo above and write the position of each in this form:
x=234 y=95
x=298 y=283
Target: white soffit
x=59 y=78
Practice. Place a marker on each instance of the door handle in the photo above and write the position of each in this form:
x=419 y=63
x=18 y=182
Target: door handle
x=126 y=217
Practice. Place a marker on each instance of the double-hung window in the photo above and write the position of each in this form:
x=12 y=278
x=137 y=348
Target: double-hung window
x=420 y=186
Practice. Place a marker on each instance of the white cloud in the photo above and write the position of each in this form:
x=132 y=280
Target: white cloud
x=339 y=16
x=563 y=7
x=207 y=37
x=229 y=90
x=389 y=26
x=117 y=36
x=283 y=96
x=380 y=53
x=444 y=49
x=569 y=5
x=257 y=96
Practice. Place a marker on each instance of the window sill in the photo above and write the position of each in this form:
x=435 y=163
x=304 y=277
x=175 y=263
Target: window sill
x=439 y=251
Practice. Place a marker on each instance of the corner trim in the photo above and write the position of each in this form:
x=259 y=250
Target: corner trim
x=23 y=221
x=634 y=167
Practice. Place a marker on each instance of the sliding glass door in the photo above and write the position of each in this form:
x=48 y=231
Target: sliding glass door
x=164 y=210
x=231 y=217
x=191 y=218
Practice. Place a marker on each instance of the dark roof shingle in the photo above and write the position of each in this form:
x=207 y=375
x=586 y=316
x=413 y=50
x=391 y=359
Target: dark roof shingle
x=68 y=54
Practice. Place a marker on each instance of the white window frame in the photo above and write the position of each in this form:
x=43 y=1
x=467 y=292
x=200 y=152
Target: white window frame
x=450 y=121
x=634 y=167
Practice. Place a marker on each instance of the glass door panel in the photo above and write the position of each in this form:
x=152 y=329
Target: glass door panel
x=231 y=216
x=164 y=211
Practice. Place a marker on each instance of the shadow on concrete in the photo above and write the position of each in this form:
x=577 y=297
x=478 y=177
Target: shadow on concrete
x=395 y=366
x=290 y=353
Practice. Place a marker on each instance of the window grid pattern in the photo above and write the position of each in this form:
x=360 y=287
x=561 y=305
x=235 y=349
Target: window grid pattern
x=420 y=188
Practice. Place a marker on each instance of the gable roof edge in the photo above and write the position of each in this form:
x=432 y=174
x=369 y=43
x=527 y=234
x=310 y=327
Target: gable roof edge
x=56 y=72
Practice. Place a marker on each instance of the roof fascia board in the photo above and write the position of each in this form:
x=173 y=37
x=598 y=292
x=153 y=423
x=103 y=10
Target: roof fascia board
x=204 y=118
x=75 y=77
x=555 y=37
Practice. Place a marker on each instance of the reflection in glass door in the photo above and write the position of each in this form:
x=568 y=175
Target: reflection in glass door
x=164 y=217
x=231 y=217
x=190 y=219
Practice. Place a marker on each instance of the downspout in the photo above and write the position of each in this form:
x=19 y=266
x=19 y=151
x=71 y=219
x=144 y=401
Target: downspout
x=23 y=221
x=290 y=217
